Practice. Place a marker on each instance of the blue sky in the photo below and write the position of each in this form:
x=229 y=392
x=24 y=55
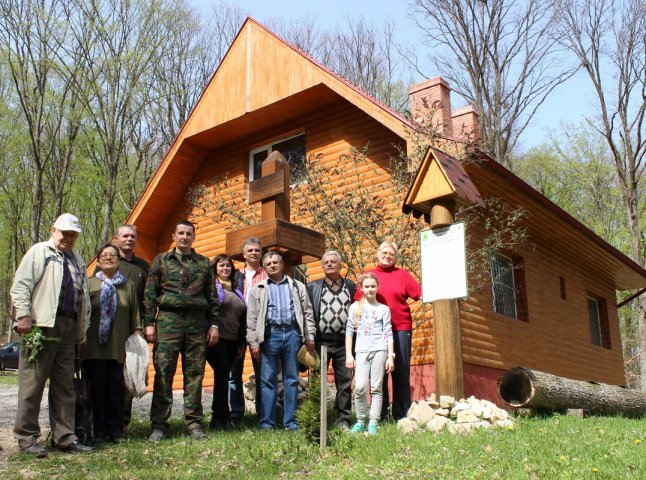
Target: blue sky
x=570 y=102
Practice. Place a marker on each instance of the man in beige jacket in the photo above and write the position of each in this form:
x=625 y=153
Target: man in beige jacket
x=50 y=292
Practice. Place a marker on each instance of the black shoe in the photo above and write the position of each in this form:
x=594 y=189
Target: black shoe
x=35 y=450
x=118 y=440
x=76 y=447
x=99 y=440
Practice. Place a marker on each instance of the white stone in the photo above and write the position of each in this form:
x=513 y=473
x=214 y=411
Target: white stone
x=442 y=411
x=466 y=416
x=504 y=423
x=406 y=425
x=422 y=413
x=461 y=428
x=459 y=407
x=446 y=401
x=499 y=414
x=437 y=423
x=411 y=410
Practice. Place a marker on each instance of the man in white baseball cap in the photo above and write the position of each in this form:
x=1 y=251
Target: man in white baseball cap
x=50 y=292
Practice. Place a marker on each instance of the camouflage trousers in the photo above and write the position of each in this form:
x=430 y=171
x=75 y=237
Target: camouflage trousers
x=178 y=333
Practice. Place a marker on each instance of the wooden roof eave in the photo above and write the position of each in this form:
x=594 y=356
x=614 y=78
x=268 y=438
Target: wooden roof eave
x=628 y=275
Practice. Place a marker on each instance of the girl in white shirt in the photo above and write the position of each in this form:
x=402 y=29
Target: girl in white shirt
x=370 y=320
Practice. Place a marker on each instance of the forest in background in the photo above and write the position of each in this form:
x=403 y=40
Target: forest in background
x=93 y=92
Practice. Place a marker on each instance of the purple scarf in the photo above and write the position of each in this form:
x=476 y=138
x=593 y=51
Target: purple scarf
x=108 y=303
x=220 y=289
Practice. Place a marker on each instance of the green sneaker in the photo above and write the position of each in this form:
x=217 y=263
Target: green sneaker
x=372 y=429
x=357 y=428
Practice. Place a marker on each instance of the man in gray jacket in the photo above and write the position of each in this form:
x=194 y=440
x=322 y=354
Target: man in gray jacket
x=50 y=292
x=331 y=298
x=279 y=321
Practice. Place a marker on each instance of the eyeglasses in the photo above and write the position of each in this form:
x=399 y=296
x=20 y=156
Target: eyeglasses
x=105 y=256
x=388 y=254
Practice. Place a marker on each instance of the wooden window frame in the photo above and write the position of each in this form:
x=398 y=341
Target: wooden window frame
x=602 y=321
x=519 y=287
x=269 y=148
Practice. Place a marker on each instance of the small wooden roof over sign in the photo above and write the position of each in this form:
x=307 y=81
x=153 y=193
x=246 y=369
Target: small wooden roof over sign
x=439 y=177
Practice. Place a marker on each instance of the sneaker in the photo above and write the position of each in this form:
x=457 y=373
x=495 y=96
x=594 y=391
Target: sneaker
x=35 y=450
x=156 y=436
x=357 y=428
x=196 y=433
x=372 y=429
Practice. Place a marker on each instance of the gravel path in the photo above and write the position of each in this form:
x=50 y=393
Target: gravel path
x=9 y=405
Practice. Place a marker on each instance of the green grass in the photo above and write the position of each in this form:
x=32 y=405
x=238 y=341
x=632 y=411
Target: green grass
x=558 y=447
x=8 y=378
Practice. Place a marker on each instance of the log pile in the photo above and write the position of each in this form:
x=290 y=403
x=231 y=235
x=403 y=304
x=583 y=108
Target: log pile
x=456 y=416
x=521 y=387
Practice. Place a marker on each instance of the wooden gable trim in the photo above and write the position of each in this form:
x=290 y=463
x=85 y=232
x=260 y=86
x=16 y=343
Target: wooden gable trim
x=439 y=176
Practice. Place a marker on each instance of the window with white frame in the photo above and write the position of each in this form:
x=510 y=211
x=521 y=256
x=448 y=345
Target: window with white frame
x=292 y=148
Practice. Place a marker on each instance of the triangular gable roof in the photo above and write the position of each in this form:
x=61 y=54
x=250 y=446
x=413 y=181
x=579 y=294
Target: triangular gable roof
x=439 y=176
x=262 y=79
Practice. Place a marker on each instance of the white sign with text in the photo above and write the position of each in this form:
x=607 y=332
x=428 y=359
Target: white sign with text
x=444 y=266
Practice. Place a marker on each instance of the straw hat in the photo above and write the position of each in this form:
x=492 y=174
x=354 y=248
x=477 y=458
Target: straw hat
x=307 y=358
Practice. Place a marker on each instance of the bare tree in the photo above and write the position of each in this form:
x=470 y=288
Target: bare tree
x=29 y=32
x=500 y=55
x=119 y=44
x=609 y=39
x=359 y=51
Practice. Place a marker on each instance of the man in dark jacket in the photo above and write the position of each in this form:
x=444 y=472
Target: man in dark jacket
x=331 y=298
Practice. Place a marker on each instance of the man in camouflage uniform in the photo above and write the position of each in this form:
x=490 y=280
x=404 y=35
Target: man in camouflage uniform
x=180 y=306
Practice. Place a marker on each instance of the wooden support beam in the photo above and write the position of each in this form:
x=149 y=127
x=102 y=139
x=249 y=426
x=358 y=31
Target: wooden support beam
x=323 y=438
x=449 y=364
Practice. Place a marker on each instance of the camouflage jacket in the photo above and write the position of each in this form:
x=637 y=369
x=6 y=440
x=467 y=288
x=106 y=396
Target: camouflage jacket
x=180 y=285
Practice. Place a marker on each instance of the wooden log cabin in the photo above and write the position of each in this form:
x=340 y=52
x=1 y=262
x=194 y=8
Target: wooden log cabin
x=268 y=95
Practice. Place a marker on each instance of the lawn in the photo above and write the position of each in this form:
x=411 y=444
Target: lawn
x=8 y=377
x=555 y=447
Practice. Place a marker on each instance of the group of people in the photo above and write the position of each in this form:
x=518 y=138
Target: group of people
x=207 y=312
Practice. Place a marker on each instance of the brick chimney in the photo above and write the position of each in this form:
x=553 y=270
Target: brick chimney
x=466 y=123
x=431 y=100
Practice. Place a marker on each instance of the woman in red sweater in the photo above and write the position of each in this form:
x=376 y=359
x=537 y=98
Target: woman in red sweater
x=396 y=286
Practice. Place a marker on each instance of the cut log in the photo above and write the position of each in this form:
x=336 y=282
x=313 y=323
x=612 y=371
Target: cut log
x=524 y=388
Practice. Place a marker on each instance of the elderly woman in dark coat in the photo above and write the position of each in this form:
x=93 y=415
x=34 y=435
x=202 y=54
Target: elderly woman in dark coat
x=115 y=316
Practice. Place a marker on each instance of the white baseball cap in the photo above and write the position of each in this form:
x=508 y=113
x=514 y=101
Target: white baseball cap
x=68 y=222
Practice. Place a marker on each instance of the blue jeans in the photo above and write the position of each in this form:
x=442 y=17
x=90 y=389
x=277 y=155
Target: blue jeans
x=280 y=347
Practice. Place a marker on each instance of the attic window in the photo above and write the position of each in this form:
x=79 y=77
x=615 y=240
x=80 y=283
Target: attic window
x=293 y=149
x=508 y=286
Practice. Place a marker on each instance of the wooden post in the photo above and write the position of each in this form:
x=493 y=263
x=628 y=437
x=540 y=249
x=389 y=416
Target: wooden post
x=323 y=397
x=449 y=367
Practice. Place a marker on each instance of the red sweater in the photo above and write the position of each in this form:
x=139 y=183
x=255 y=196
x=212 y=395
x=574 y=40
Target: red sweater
x=395 y=287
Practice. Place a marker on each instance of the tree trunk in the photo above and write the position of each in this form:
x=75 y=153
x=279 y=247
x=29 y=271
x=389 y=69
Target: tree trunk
x=521 y=387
